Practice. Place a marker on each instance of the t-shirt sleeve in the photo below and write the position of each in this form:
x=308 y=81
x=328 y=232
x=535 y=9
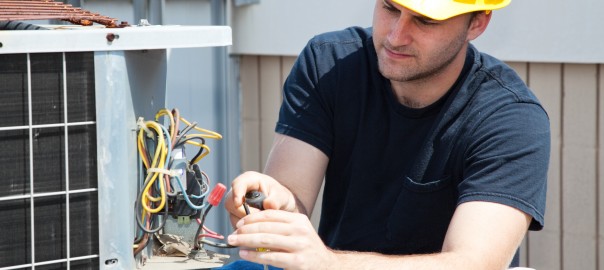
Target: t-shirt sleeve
x=305 y=113
x=507 y=160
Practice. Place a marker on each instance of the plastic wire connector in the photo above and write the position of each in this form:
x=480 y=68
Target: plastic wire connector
x=216 y=194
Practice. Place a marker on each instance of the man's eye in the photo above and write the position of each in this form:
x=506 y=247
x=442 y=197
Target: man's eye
x=425 y=21
x=389 y=7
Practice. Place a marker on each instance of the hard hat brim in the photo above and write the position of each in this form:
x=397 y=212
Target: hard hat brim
x=445 y=9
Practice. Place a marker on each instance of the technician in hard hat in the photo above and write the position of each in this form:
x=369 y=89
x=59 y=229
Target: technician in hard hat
x=434 y=155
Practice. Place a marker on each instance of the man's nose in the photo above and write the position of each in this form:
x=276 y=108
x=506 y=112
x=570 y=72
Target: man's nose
x=401 y=32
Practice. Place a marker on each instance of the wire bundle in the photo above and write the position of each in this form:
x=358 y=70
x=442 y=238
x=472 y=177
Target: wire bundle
x=162 y=169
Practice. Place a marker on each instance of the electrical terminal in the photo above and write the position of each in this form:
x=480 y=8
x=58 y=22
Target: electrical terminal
x=184 y=220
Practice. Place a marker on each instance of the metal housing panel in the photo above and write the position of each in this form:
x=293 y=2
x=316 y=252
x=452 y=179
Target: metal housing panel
x=128 y=85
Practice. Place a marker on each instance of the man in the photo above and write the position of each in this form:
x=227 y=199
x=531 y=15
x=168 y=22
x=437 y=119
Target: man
x=434 y=155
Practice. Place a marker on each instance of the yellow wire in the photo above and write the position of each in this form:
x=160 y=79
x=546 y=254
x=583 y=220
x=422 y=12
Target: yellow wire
x=159 y=161
x=198 y=144
x=169 y=114
x=209 y=134
x=141 y=144
x=205 y=153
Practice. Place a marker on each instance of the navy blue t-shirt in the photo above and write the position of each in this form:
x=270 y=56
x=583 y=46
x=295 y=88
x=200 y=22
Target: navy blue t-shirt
x=396 y=174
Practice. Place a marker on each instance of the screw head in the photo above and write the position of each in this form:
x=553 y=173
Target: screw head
x=111 y=37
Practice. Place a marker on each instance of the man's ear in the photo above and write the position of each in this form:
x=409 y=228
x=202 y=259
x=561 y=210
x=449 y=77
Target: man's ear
x=479 y=23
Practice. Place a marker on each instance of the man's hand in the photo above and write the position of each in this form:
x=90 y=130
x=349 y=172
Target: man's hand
x=277 y=196
x=482 y=235
x=290 y=237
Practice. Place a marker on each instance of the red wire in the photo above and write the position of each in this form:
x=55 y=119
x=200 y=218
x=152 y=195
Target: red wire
x=209 y=233
x=215 y=236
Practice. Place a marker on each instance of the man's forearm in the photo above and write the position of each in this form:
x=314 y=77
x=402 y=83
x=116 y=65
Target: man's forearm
x=300 y=208
x=445 y=260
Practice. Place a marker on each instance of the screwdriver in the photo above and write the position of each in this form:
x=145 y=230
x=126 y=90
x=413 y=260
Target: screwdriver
x=256 y=199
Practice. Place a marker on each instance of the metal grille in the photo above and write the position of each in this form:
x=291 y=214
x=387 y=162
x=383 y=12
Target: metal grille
x=48 y=192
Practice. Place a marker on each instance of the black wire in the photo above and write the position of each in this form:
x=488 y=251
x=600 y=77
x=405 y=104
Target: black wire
x=198 y=153
x=208 y=242
x=201 y=179
x=218 y=245
x=203 y=219
x=246 y=208
x=181 y=142
x=185 y=131
x=180 y=138
x=152 y=217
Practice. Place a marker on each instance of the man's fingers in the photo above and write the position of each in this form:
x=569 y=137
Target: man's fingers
x=279 y=259
x=273 y=242
x=249 y=181
x=243 y=183
x=273 y=216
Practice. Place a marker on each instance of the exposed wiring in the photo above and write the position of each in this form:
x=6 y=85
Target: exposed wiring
x=187 y=199
x=207 y=133
x=142 y=244
x=213 y=199
x=214 y=244
x=196 y=245
x=160 y=157
x=211 y=234
x=169 y=181
x=207 y=229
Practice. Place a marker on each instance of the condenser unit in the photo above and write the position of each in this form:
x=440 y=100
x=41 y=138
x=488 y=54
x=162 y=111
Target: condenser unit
x=69 y=101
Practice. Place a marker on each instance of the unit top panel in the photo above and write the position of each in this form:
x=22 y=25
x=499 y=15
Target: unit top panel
x=63 y=38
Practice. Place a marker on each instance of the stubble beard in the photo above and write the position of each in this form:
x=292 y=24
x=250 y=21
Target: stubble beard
x=422 y=69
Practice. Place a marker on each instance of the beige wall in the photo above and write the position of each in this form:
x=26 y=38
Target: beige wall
x=573 y=96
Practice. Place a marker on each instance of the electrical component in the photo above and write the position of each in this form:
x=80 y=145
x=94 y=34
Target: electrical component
x=171 y=184
x=179 y=207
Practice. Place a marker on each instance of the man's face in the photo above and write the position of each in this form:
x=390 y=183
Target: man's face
x=412 y=47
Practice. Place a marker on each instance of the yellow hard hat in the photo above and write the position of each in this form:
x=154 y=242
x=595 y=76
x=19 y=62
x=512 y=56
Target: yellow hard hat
x=444 y=9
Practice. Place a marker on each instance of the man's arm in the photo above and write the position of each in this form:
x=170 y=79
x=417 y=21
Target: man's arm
x=481 y=235
x=299 y=167
x=294 y=174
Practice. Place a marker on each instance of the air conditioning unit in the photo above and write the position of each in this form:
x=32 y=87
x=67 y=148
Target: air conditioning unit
x=69 y=101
